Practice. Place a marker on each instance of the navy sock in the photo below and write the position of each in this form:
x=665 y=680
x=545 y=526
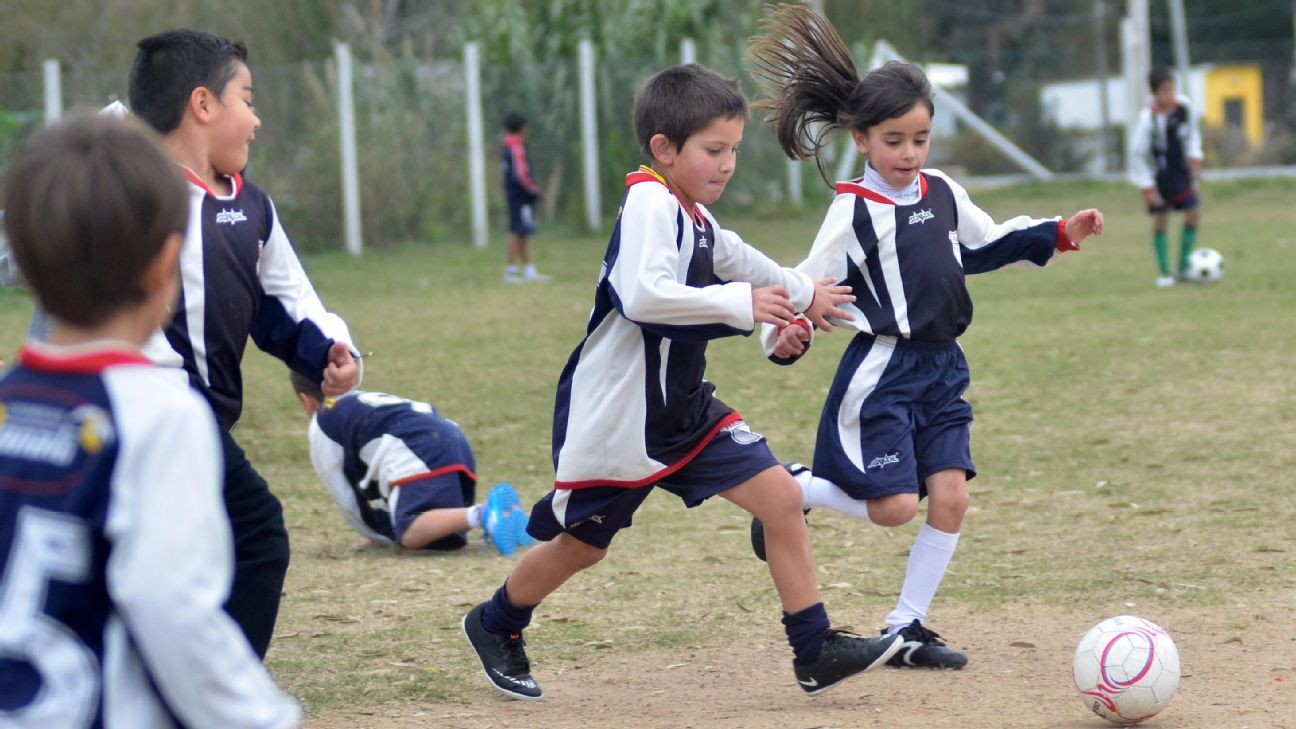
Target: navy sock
x=805 y=632
x=503 y=617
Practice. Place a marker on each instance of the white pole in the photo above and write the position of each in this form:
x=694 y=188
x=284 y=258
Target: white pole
x=1179 y=28
x=53 y=92
x=688 y=51
x=794 y=181
x=350 y=168
x=1132 y=43
x=589 y=134
x=476 y=143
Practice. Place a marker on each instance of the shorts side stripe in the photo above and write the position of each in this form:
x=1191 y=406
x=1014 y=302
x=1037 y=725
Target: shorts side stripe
x=862 y=384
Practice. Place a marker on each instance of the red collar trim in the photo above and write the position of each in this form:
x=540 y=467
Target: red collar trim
x=83 y=360
x=855 y=188
x=648 y=174
x=236 y=182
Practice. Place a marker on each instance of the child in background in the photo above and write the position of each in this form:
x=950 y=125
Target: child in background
x=895 y=426
x=239 y=277
x=522 y=193
x=115 y=553
x=1167 y=157
x=402 y=474
x=671 y=280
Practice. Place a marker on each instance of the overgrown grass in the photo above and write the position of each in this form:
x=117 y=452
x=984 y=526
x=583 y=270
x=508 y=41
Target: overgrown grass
x=1133 y=444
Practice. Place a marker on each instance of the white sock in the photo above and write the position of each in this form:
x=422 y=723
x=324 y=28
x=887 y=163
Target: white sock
x=821 y=493
x=928 y=560
x=475 y=516
x=529 y=271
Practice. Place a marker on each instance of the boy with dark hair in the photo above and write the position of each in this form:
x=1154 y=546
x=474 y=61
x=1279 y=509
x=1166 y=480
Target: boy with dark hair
x=114 y=553
x=195 y=89
x=672 y=279
x=402 y=474
x=1166 y=167
x=522 y=193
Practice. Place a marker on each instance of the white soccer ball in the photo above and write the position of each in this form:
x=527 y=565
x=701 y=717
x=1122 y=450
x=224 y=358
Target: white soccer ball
x=1126 y=669
x=1205 y=265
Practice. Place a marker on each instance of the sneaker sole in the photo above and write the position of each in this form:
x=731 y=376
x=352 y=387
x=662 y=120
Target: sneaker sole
x=891 y=650
x=463 y=625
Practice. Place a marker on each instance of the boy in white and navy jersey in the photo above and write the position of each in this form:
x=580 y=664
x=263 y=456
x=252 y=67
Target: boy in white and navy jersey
x=633 y=411
x=240 y=278
x=1166 y=159
x=115 y=553
x=895 y=426
x=402 y=474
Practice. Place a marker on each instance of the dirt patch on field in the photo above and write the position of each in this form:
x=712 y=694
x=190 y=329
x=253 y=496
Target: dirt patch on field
x=1239 y=671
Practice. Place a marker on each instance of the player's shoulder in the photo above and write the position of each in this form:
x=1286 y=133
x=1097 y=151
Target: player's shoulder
x=152 y=397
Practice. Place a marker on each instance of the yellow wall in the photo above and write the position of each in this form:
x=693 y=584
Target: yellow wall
x=1243 y=83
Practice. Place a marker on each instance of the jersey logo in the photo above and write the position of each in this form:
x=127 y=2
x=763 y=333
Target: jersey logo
x=742 y=434
x=883 y=461
x=230 y=216
x=48 y=435
x=920 y=217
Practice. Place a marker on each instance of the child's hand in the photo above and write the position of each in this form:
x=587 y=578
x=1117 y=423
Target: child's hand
x=340 y=374
x=1084 y=224
x=791 y=341
x=770 y=305
x=826 y=298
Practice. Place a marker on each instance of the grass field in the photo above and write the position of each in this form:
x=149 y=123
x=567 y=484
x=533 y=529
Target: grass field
x=1136 y=448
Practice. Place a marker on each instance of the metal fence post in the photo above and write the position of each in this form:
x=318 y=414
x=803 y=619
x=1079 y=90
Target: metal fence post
x=350 y=168
x=53 y=92
x=476 y=143
x=589 y=134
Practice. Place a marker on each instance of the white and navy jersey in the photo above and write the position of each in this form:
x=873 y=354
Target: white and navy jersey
x=632 y=405
x=1164 y=142
x=240 y=276
x=905 y=264
x=365 y=444
x=115 y=553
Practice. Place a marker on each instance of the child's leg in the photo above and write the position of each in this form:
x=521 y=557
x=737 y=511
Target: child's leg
x=437 y=523
x=1189 y=239
x=774 y=497
x=947 y=502
x=1159 y=242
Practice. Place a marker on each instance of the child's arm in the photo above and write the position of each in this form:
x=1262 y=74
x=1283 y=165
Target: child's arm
x=643 y=275
x=293 y=324
x=169 y=567
x=1193 y=149
x=985 y=245
x=1142 y=164
x=328 y=456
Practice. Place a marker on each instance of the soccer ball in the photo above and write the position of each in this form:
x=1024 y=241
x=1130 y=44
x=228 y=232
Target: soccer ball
x=1205 y=265
x=1126 y=669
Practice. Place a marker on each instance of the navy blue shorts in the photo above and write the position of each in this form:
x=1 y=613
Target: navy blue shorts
x=596 y=513
x=1185 y=200
x=521 y=216
x=452 y=490
x=895 y=415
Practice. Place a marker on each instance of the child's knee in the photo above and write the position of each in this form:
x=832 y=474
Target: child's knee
x=894 y=510
x=578 y=554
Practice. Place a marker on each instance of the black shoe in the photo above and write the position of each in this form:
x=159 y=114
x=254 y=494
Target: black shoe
x=758 y=529
x=844 y=655
x=923 y=648
x=503 y=658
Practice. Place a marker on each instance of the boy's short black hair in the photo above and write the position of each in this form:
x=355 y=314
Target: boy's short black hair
x=89 y=204
x=303 y=385
x=680 y=100
x=514 y=121
x=1159 y=75
x=170 y=65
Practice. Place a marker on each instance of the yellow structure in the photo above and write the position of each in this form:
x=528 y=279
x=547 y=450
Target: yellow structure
x=1235 y=98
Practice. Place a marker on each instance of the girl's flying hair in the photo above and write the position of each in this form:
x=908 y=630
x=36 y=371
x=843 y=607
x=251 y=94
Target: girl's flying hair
x=812 y=87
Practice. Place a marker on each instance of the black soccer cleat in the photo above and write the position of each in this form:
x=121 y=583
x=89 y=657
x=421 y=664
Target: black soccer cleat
x=844 y=654
x=923 y=648
x=503 y=658
x=758 y=529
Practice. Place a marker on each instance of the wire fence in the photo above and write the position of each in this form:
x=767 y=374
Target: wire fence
x=413 y=150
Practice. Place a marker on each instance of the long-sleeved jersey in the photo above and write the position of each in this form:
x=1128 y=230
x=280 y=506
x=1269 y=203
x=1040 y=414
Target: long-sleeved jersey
x=1164 y=142
x=240 y=276
x=115 y=554
x=632 y=405
x=365 y=444
x=905 y=264
x=516 y=167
